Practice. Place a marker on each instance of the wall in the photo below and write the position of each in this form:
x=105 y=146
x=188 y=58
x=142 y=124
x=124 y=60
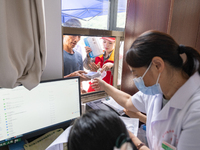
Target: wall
x=53 y=69
x=185 y=22
x=179 y=18
x=142 y=15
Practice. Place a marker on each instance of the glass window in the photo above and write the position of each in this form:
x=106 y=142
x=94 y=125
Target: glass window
x=95 y=14
x=121 y=13
x=91 y=13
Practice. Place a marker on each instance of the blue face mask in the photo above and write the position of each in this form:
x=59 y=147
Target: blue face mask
x=150 y=90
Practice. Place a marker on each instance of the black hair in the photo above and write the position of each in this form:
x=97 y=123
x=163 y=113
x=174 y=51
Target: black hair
x=155 y=43
x=96 y=130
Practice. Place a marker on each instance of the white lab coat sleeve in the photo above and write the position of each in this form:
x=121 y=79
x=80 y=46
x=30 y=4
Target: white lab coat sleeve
x=22 y=43
x=139 y=100
x=190 y=135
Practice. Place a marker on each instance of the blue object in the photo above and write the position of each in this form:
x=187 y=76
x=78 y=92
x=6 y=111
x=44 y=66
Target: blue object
x=150 y=90
x=143 y=126
x=17 y=146
x=87 y=44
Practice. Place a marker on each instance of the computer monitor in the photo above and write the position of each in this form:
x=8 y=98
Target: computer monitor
x=50 y=105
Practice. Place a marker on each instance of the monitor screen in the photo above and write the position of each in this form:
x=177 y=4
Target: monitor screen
x=50 y=105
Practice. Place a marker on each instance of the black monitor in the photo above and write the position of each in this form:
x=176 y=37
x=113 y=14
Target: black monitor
x=50 y=105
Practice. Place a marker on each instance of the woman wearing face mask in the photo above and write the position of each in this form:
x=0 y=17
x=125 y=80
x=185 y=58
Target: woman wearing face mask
x=105 y=61
x=169 y=91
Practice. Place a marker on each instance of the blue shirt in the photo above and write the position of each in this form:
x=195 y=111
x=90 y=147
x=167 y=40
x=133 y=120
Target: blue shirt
x=72 y=62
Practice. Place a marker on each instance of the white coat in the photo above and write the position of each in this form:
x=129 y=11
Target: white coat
x=178 y=122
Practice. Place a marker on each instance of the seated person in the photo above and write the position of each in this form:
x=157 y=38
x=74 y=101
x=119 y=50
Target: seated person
x=105 y=61
x=100 y=130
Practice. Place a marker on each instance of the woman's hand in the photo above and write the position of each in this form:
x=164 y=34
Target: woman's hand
x=88 y=50
x=94 y=67
x=107 y=66
x=98 y=84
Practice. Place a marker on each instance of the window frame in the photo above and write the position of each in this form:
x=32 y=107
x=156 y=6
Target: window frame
x=119 y=35
x=112 y=18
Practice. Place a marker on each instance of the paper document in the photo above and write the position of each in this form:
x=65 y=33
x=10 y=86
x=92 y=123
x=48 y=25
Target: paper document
x=62 y=139
x=94 y=44
x=131 y=124
x=92 y=75
x=109 y=101
x=44 y=141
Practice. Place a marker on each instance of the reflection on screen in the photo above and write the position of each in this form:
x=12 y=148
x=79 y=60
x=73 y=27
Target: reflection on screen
x=50 y=103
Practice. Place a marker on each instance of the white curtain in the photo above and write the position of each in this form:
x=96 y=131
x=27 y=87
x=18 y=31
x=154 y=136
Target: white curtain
x=22 y=42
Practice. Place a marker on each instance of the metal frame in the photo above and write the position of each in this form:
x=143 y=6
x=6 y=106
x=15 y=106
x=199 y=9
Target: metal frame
x=112 y=18
x=94 y=32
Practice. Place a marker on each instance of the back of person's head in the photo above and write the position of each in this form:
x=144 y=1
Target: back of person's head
x=96 y=130
x=155 y=43
x=72 y=23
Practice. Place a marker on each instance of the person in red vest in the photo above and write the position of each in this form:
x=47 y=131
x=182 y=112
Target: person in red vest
x=105 y=61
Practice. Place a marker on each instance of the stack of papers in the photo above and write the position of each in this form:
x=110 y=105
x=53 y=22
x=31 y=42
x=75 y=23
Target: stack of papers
x=109 y=101
x=132 y=124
